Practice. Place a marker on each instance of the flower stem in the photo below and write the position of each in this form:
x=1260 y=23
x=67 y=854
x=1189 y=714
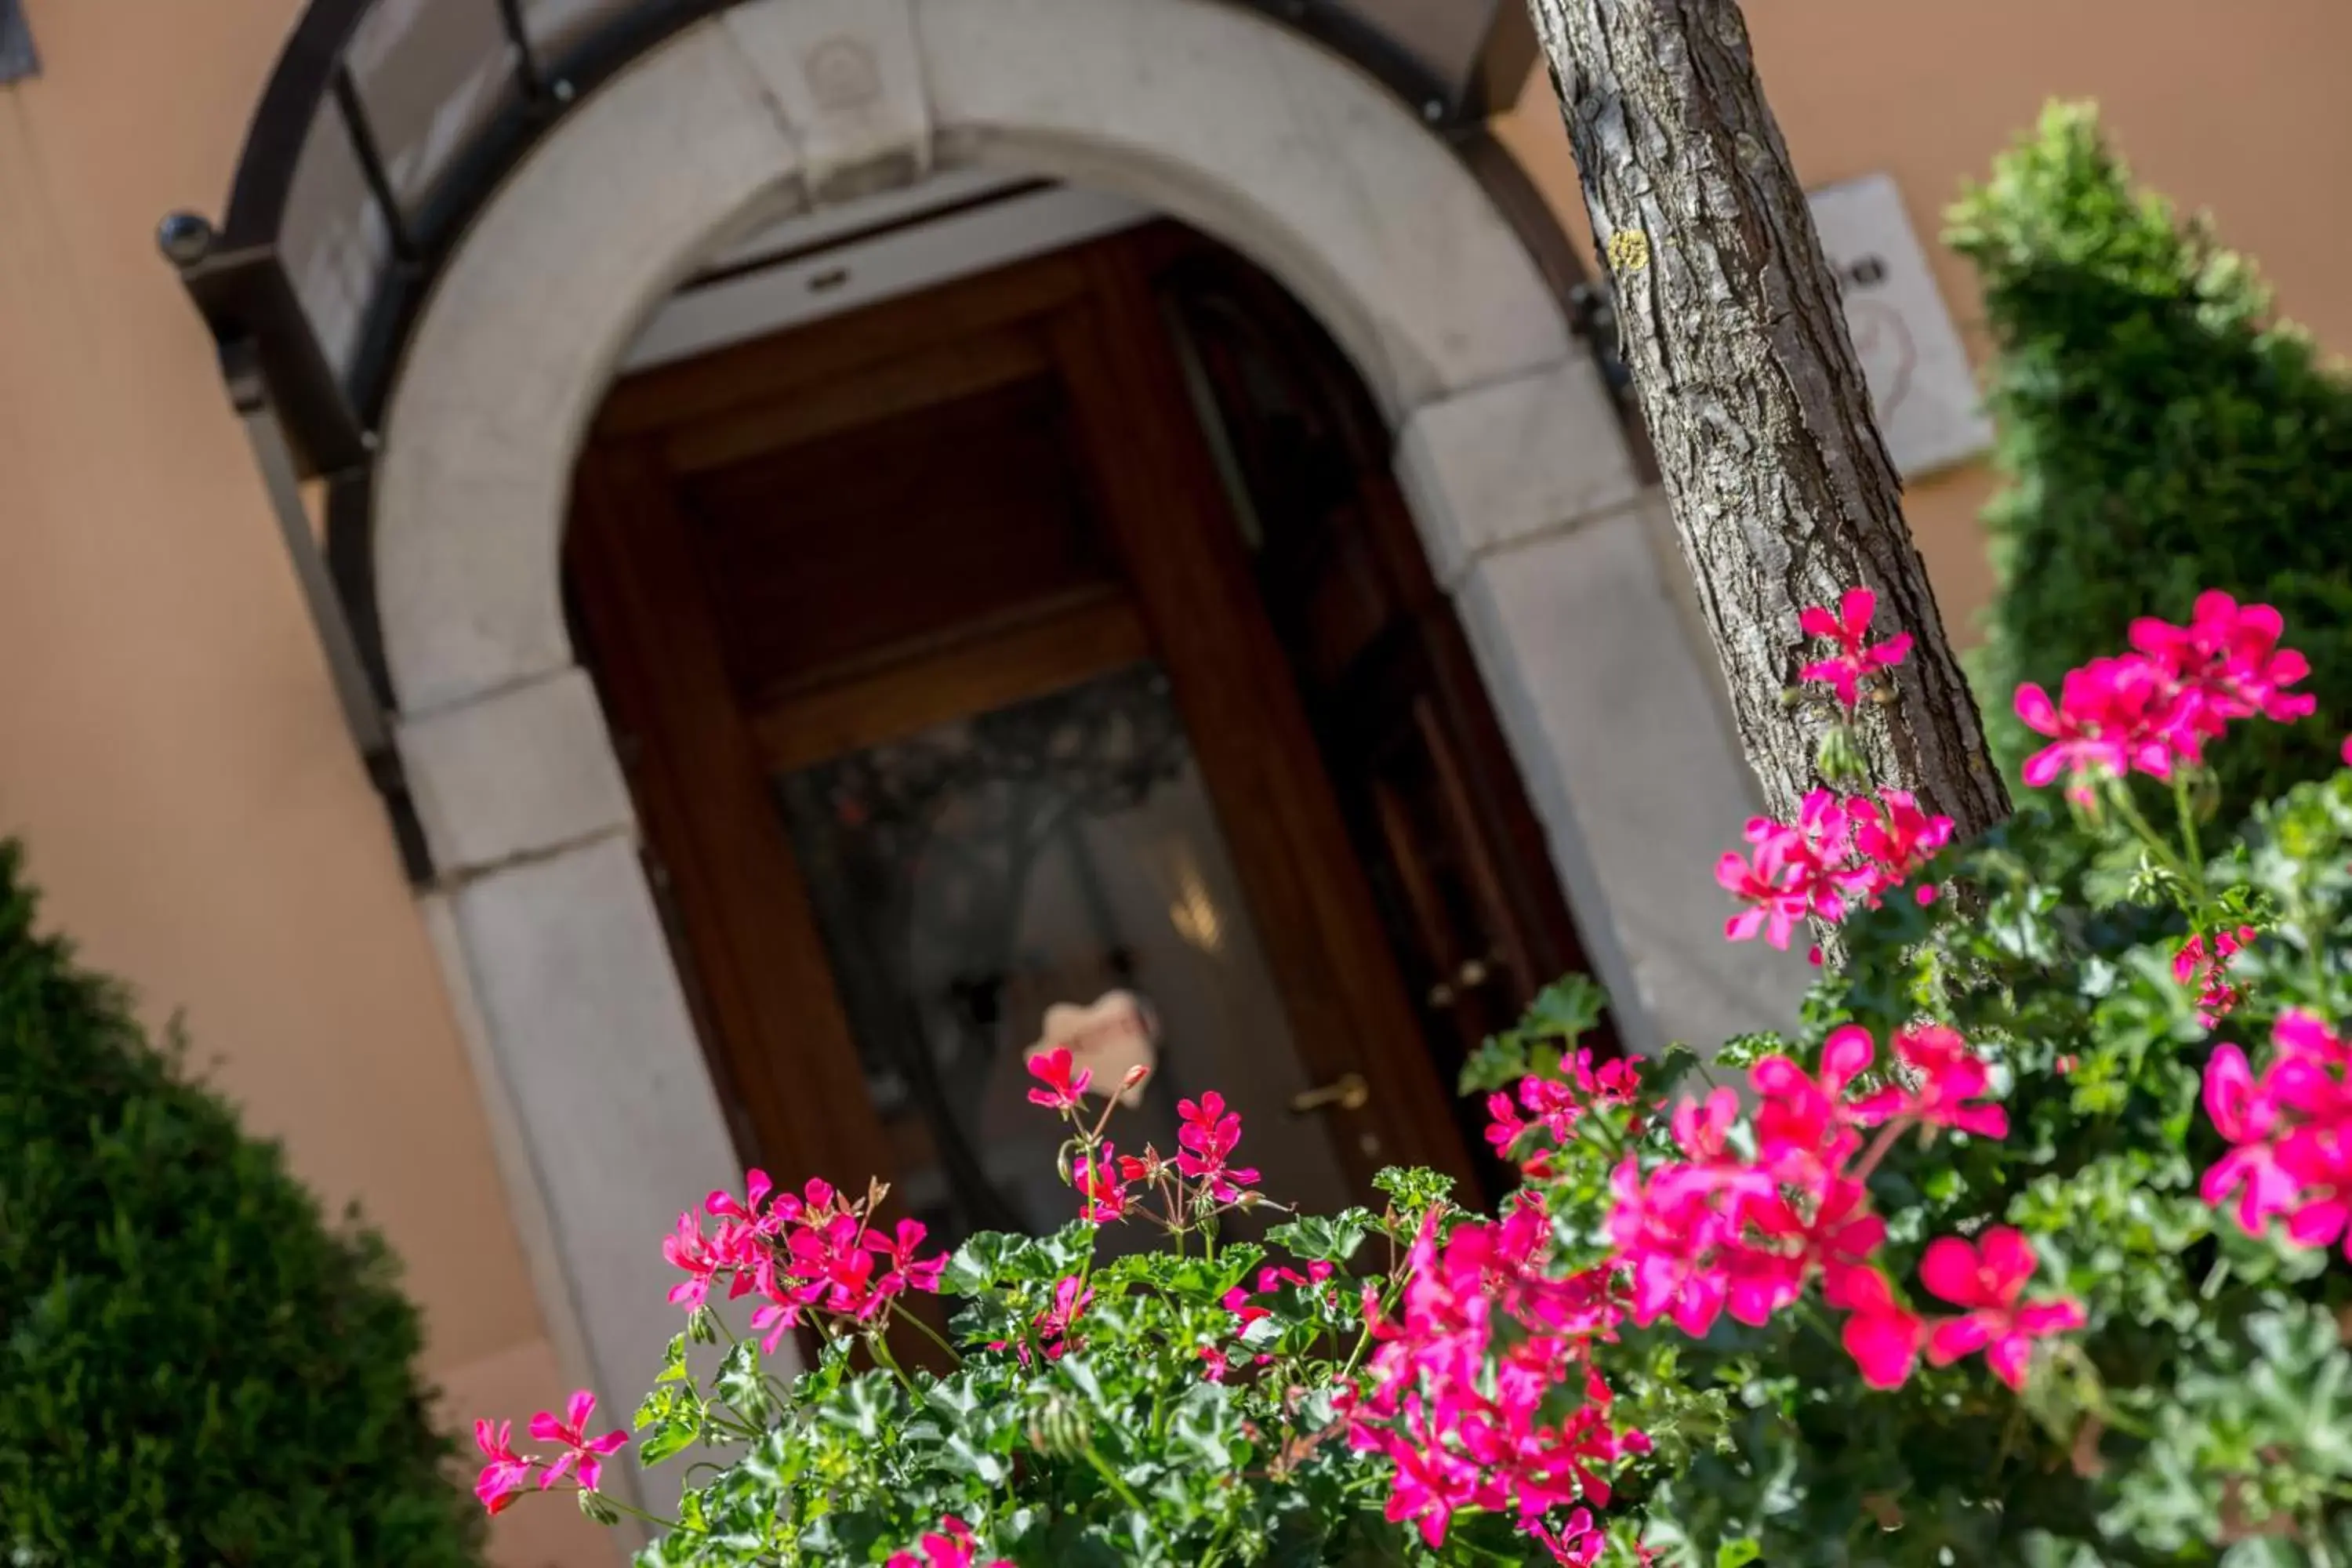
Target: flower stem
x=1878 y=1147
x=2157 y=844
x=1111 y=1479
x=2181 y=803
x=881 y=1349
x=609 y=1500
x=933 y=1336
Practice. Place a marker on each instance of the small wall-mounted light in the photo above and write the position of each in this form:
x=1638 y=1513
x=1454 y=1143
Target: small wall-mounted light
x=17 y=57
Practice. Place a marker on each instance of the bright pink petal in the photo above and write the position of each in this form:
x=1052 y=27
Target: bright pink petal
x=2303 y=1034
x=2040 y=716
x=1984 y=1120
x=1885 y=1105
x=1953 y=1338
x=1948 y=1267
x=2050 y=1317
x=1846 y=1054
x=1815 y=621
x=2228 y=1091
x=1884 y=1345
x=2318 y=1223
x=2006 y=1261
x=2044 y=765
x=1855 y=608
x=2009 y=1357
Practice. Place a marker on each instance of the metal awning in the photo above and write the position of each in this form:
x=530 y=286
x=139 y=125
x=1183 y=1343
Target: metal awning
x=387 y=124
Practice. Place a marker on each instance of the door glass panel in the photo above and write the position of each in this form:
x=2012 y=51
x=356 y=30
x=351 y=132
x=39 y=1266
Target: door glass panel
x=1050 y=852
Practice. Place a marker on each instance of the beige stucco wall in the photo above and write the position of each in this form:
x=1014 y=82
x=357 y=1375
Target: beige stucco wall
x=168 y=742
x=169 y=746
x=2239 y=108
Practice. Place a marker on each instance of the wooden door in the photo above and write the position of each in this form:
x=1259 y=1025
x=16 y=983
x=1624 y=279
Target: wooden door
x=1426 y=782
x=850 y=593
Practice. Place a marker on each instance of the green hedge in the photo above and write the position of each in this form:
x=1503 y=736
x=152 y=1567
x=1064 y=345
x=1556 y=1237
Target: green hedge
x=194 y=1368
x=2158 y=433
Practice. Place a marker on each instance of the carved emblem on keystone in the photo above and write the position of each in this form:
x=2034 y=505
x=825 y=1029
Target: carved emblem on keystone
x=843 y=74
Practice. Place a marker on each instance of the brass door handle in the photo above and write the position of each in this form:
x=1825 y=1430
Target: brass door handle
x=1348 y=1091
x=1473 y=973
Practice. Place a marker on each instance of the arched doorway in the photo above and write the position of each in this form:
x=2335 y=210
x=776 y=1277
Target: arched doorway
x=1519 y=486
x=1052 y=637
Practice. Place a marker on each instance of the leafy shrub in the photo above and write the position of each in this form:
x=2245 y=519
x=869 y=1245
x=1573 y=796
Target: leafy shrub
x=2007 y=1259
x=194 y=1370
x=2158 y=434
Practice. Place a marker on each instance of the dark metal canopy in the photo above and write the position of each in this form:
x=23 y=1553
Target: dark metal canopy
x=18 y=58
x=387 y=124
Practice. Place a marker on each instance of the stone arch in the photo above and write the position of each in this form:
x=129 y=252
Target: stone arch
x=1519 y=478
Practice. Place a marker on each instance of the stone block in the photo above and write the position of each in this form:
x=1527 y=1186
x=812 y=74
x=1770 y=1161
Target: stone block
x=598 y=1057
x=1638 y=782
x=522 y=771
x=1495 y=465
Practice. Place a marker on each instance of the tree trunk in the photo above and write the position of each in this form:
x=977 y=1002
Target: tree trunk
x=1782 y=491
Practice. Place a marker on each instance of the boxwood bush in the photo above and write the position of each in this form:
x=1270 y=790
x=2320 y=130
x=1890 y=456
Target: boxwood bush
x=194 y=1368
x=2160 y=433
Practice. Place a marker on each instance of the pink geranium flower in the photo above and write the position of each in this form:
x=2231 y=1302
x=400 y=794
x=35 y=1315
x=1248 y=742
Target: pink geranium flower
x=1071 y=1298
x=1060 y=1088
x=1770 y=885
x=1897 y=839
x=949 y=1546
x=752 y=1208
x=2227 y=664
x=1103 y=1197
x=1804 y=1126
x=1575 y=1542
x=688 y=1249
x=1943 y=1076
x=908 y=1272
x=1855 y=659
x=1208 y=1137
x=1882 y=1335
x=507 y=1475
x=2292 y=1129
x=2153 y=710
x=2264 y=1187
x=2112 y=716
x=1795 y=869
x=1988 y=1278
x=2205 y=967
x=583 y=1455
x=1665 y=1236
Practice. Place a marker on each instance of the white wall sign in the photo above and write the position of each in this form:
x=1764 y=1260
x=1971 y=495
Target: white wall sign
x=1926 y=395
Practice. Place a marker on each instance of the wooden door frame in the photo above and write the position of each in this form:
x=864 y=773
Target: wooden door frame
x=779 y=1038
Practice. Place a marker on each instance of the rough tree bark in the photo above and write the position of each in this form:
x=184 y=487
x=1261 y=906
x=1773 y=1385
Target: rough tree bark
x=1782 y=491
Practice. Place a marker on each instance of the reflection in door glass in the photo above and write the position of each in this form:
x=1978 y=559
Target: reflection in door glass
x=1046 y=854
